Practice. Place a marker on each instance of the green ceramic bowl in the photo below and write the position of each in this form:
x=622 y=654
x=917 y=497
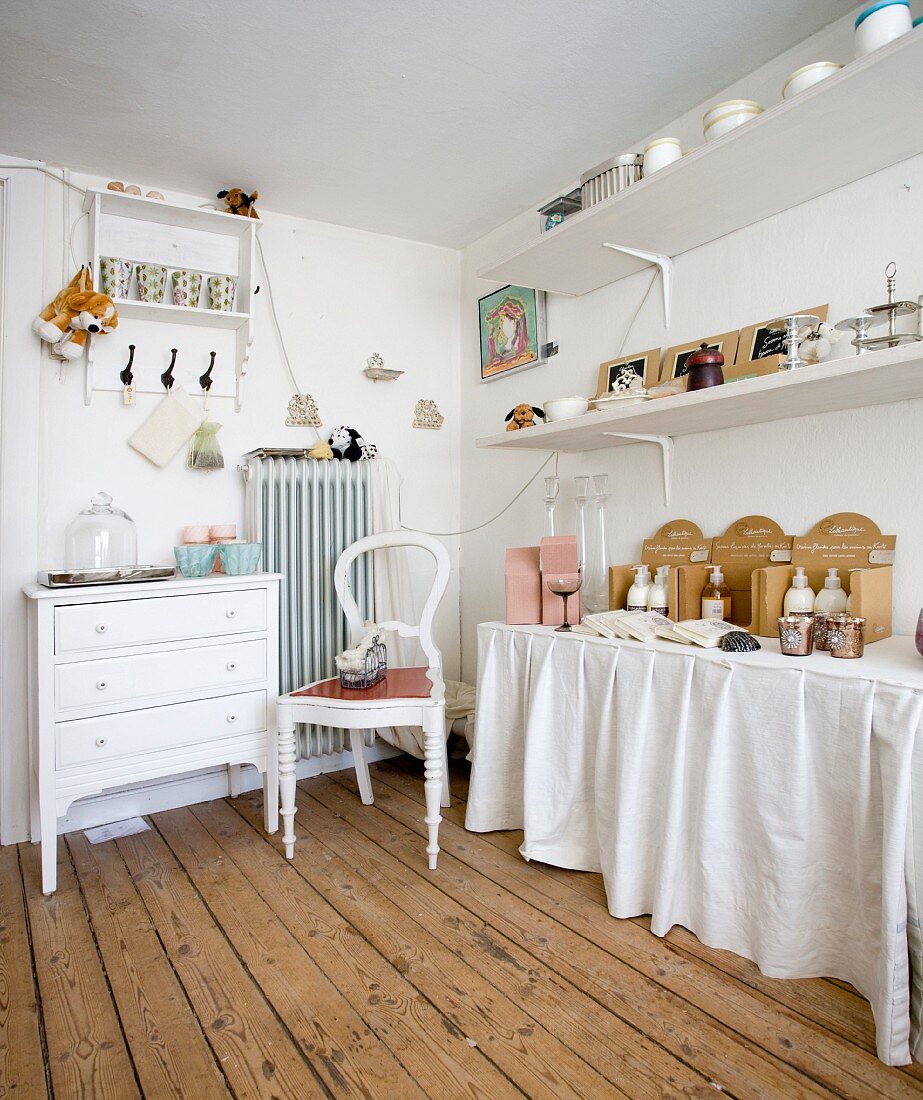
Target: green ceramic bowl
x=195 y=561
x=238 y=559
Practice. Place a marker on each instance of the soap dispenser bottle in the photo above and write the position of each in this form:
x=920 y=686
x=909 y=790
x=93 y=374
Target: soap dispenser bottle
x=658 y=597
x=831 y=597
x=799 y=597
x=637 y=594
x=716 y=597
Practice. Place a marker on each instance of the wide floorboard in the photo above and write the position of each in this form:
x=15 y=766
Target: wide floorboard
x=194 y=960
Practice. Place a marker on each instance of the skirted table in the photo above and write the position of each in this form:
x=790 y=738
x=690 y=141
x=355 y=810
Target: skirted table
x=766 y=803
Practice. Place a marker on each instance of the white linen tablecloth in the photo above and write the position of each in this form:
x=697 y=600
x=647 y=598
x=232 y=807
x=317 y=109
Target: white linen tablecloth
x=761 y=801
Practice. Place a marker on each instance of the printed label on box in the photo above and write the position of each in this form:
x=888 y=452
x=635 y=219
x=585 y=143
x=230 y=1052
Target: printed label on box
x=751 y=540
x=846 y=540
x=678 y=542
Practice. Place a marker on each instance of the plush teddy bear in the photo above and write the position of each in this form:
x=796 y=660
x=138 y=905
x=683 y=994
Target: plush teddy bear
x=346 y=442
x=239 y=202
x=523 y=416
x=76 y=312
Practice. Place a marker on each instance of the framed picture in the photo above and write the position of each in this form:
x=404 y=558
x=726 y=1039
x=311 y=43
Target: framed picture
x=674 y=362
x=616 y=374
x=512 y=326
x=768 y=338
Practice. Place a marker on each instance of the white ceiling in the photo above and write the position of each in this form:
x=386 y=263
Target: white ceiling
x=432 y=121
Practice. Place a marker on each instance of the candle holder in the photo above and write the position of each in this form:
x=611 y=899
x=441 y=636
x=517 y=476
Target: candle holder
x=596 y=585
x=792 y=324
x=565 y=587
x=796 y=635
x=846 y=638
x=859 y=327
x=581 y=487
x=552 y=487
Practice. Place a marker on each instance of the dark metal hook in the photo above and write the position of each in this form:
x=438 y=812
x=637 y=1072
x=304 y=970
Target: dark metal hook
x=205 y=380
x=125 y=375
x=167 y=378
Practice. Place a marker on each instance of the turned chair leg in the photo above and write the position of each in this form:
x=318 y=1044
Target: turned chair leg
x=446 y=793
x=288 y=755
x=434 y=749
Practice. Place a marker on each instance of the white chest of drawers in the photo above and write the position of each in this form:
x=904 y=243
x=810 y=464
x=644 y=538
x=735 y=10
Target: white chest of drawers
x=134 y=682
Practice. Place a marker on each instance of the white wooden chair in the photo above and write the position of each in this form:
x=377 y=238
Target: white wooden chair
x=406 y=697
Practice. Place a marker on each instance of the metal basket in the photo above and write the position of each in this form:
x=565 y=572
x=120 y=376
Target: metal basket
x=376 y=668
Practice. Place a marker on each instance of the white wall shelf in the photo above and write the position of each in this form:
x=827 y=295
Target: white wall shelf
x=208 y=241
x=852 y=124
x=877 y=378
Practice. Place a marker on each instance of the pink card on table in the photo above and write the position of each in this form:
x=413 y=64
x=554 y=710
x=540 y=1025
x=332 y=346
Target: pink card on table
x=523 y=586
x=558 y=557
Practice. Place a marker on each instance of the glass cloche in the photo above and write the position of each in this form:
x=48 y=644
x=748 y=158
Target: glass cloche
x=101 y=537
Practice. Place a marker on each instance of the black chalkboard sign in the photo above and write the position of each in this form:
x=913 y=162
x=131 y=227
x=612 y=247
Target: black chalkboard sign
x=767 y=340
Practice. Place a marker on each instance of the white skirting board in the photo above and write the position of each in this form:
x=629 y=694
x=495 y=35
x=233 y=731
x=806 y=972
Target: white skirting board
x=169 y=794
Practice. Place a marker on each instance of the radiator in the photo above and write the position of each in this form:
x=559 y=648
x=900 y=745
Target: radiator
x=306 y=512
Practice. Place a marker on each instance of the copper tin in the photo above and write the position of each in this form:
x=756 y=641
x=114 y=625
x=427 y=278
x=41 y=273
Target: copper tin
x=846 y=638
x=796 y=635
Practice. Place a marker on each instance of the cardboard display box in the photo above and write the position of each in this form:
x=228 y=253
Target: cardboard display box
x=558 y=557
x=678 y=543
x=523 y=586
x=856 y=547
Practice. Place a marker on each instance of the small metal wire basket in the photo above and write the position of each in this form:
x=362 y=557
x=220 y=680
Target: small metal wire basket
x=376 y=668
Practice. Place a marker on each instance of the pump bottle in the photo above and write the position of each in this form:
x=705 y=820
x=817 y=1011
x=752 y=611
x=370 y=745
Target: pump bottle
x=831 y=597
x=799 y=597
x=637 y=594
x=716 y=597
x=658 y=597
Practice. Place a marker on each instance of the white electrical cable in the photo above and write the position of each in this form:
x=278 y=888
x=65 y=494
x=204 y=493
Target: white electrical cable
x=47 y=172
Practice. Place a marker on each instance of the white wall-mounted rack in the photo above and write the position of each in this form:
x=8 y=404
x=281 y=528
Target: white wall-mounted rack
x=875 y=378
x=856 y=122
x=209 y=241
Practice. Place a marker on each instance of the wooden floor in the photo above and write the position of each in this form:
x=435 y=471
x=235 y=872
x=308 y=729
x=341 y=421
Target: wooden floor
x=193 y=960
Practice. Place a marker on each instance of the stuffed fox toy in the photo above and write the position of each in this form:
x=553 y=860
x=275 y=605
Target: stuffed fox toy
x=76 y=312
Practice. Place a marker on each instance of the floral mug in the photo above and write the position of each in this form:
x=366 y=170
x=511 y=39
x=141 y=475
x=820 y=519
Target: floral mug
x=187 y=286
x=115 y=275
x=221 y=290
x=152 y=281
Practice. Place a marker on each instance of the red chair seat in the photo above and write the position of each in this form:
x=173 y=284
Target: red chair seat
x=400 y=683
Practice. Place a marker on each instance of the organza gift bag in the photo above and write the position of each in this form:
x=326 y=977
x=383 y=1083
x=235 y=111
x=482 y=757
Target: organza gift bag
x=205 y=450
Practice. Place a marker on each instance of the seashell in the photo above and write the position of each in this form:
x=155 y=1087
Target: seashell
x=153 y=195
x=739 y=641
x=132 y=189
x=115 y=185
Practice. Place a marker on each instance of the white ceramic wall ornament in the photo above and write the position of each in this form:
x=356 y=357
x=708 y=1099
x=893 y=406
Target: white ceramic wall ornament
x=427 y=415
x=302 y=412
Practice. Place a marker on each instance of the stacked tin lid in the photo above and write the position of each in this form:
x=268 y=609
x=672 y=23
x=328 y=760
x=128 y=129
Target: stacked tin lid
x=610 y=177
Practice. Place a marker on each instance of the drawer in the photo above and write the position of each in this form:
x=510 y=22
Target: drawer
x=149 y=675
x=94 y=740
x=160 y=619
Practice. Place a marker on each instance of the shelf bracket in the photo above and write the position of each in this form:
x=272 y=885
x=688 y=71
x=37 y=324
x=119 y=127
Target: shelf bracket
x=665 y=443
x=665 y=263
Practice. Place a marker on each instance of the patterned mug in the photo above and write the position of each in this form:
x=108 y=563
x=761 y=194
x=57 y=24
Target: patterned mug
x=187 y=286
x=221 y=290
x=115 y=275
x=152 y=281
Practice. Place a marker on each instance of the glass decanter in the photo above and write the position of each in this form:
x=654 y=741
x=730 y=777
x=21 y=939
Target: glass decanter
x=581 y=488
x=552 y=485
x=596 y=562
x=101 y=537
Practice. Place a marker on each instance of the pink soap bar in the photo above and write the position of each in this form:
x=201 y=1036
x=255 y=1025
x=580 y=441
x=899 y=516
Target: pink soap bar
x=523 y=586
x=196 y=534
x=222 y=531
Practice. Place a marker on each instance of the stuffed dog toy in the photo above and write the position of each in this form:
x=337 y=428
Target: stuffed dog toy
x=75 y=313
x=523 y=416
x=239 y=202
x=347 y=443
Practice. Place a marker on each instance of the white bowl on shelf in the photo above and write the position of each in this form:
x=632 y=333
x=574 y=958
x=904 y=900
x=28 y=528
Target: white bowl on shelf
x=565 y=408
x=807 y=76
x=660 y=153
x=724 y=117
x=882 y=23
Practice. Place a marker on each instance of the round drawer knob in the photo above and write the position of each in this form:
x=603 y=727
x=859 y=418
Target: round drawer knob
x=231 y=666
x=231 y=613
x=102 y=685
x=101 y=628
x=100 y=742
x=232 y=717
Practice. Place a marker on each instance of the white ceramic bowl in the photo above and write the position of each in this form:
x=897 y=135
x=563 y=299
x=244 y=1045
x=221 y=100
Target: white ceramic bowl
x=724 y=117
x=882 y=23
x=565 y=408
x=660 y=153
x=807 y=76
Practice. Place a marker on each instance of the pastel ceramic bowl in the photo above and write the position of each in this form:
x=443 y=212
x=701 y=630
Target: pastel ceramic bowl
x=807 y=76
x=881 y=24
x=724 y=117
x=195 y=561
x=660 y=153
x=238 y=559
x=564 y=408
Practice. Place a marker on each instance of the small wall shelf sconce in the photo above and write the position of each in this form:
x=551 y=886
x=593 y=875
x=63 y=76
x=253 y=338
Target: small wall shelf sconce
x=378 y=372
x=427 y=415
x=302 y=412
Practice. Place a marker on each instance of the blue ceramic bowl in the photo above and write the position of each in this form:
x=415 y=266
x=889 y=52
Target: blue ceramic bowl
x=195 y=561
x=240 y=558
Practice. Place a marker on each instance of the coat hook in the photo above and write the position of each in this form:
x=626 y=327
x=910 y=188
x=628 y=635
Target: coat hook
x=205 y=380
x=125 y=375
x=167 y=378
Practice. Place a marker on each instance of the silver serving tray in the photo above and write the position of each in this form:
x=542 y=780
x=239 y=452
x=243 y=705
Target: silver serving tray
x=65 y=578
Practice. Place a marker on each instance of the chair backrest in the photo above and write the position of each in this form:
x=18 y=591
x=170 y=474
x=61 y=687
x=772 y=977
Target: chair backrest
x=424 y=629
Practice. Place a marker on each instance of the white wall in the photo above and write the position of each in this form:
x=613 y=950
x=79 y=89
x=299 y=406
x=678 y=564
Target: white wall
x=833 y=250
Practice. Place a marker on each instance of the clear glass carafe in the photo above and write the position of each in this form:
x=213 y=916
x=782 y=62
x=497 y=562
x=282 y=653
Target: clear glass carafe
x=596 y=565
x=101 y=537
